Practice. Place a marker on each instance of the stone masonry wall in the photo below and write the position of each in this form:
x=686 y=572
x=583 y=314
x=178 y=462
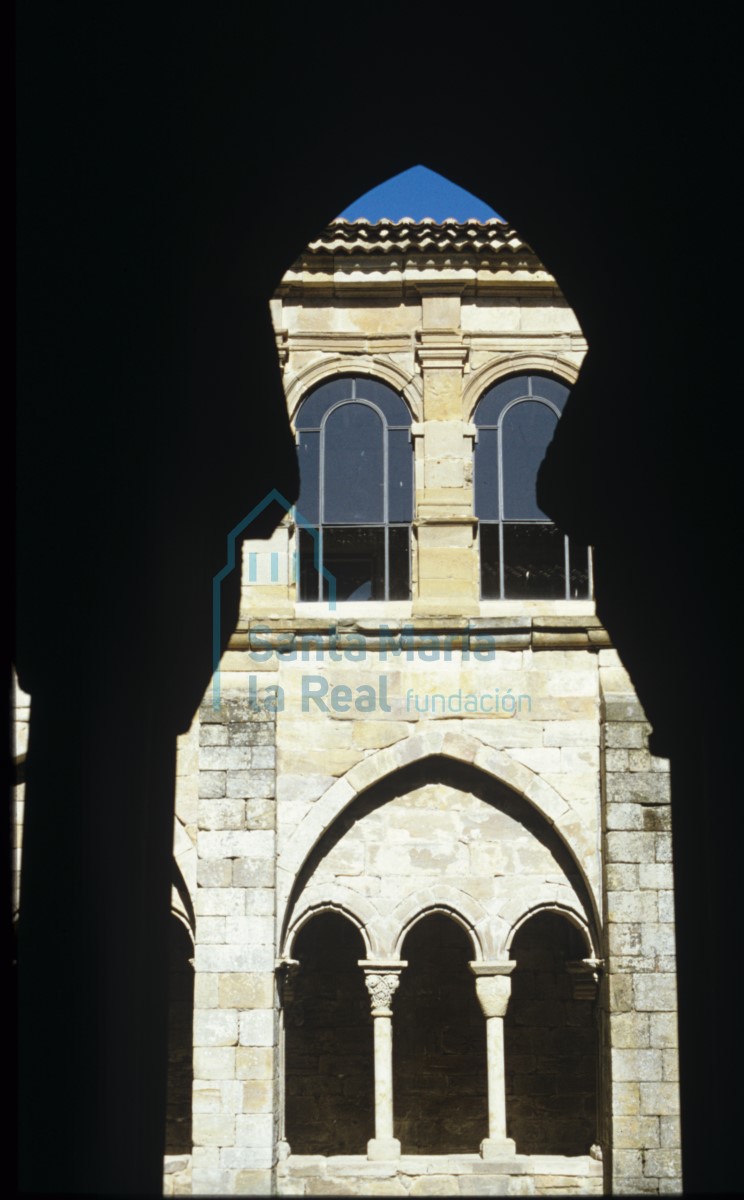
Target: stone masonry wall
x=235 y=1009
x=642 y=1117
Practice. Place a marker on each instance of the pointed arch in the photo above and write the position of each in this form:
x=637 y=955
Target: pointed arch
x=542 y=796
x=515 y=917
x=333 y=897
x=452 y=902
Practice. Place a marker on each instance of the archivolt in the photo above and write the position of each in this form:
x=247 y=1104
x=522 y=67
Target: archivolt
x=333 y=365
x=514 y=364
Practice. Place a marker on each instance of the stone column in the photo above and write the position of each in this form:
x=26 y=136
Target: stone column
x=493 y=987
x=382 y=979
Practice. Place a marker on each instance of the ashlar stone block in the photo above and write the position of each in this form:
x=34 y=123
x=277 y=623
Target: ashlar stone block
x=214 y=1062
x=631 y=1132
x=660 y=1099
x=245 y=991
x=214 y=1129
x=257 y=1096
x=215 y=1027
x=255 y=1062
x=258 y=1028
x=655 y=993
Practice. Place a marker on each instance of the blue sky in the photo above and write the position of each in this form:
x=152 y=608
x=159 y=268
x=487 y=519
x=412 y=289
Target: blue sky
x=418 y=193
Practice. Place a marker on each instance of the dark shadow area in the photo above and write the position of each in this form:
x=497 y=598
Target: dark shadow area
x=163 y=168
x=180 y=1041
x=329 y=1075
x=440 y=1087
x=550 y=1044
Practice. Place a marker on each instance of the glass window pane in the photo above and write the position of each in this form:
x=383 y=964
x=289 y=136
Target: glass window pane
x=526 y=431
x=308 y=455
x=400 y=562
x=400 y=475
x=494 y=401
x=356 y=559
x=534 y=562
x=353 y=466
x=489 y=556
x=316 y=403
x=486 y=471
x=392 y=405
x=550 y=389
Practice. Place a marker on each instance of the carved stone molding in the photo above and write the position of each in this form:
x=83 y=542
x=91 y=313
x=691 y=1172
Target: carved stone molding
x=382 y=980
x=286 y=977
x=585 y=975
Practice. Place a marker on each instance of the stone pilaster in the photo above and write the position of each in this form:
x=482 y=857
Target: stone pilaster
x=444 y=525
x=493 y=987
x=236 y=1028
x=382 y=980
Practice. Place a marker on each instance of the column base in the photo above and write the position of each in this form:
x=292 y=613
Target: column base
x=382 y=1149
x=491 y=1148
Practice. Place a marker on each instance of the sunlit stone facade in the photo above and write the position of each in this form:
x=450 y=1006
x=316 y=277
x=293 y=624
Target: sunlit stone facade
x=423 y=931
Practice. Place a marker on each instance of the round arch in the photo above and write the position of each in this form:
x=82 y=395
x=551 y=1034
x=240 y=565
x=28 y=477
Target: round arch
x=374 y=366
x=514 y=364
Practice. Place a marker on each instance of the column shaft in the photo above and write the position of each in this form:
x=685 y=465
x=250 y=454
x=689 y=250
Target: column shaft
x=496 y=1079
x=493 y=986
x=382 y=979
x=383 y=1076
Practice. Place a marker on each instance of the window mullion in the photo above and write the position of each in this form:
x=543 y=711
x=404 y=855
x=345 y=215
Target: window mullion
x=500 y=468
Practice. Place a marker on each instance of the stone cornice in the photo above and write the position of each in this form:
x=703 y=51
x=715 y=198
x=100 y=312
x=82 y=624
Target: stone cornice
x=401 y=636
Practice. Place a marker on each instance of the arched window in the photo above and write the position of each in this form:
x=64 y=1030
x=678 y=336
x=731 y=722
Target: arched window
x=439 y=1044
x=550 y=1042
x=328 y=1042
x=356 y=491
x=523 y=554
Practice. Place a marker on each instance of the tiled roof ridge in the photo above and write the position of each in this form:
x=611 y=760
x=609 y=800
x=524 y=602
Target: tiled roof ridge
x=419 y=221
x=408 y=235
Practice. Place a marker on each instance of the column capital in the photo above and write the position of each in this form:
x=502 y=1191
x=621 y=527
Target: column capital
x=382 y=979
x=493 y=986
